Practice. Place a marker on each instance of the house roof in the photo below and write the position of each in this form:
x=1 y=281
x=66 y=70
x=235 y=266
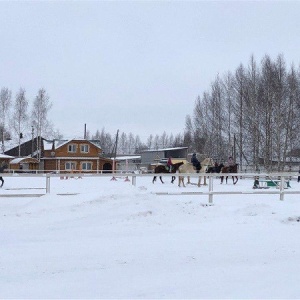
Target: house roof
x=5 y=156
x=59 y=143
x=23 y=160
x=128 y=157
x=166 y=149
x=47 y=145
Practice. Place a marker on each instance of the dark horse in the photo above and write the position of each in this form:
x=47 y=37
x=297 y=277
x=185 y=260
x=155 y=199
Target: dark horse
x=162 y=169
x=230 y=169
x=216 y=169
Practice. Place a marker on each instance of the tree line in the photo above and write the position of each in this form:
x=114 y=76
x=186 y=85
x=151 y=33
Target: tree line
x=252 y=114
x=22 y=119
x=132 y=144
x=17 y=116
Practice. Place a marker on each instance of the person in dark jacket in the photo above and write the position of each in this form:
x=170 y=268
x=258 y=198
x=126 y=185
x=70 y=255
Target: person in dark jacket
x=196 y=162
x=2 y=168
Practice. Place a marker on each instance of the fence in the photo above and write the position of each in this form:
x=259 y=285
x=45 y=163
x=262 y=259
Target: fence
x=281 y=190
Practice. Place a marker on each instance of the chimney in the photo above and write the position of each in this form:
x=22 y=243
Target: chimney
x=84 y=131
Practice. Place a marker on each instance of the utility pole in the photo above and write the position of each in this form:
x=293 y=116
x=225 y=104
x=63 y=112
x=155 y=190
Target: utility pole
x=234 y=147
x=32 y=139
x=114 y=154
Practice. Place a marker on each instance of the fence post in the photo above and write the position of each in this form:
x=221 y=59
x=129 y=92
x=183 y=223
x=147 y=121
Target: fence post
x=134 y=180
x=281 y=188
x=47 y=183
x=210 y=189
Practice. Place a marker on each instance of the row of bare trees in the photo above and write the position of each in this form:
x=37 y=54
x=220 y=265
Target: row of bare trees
x=20 y=121
x=18 y=118
x=252 y=114
x=132 y=144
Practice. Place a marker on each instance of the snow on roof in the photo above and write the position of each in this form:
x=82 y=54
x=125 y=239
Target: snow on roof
x=16 y=160
x=20 y=159
x=48 y=145
x=166 y=149
x=128 y=157
x=60 y=143
x=5 y=156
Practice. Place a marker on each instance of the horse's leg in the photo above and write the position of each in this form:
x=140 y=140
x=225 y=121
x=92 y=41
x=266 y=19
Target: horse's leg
x=173 y=178
x=161 y=179
x=237 y=179
x=154 y=179
x=179 y=180
x=222 y=178
x=204 y=182
x=226 y=179
x=188 y=182
x=1 y=178
x=199 y=181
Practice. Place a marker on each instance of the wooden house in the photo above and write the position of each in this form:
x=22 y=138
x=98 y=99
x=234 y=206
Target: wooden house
x=75 y=155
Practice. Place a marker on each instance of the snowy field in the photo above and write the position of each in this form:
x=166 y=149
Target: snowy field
x=111 y=239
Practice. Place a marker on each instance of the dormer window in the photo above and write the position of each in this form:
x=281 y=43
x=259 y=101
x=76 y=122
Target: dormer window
x=72 y=148
x=84 y=148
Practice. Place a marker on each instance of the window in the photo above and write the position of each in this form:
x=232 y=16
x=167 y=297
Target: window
x=70 y=166
x=72 y=148
x=84 y=148
x=86 y=166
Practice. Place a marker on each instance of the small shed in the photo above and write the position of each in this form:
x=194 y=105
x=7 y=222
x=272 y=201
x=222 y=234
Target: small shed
x=128 y=163
x=153 y=157
x=4 y=159
x=24 y=164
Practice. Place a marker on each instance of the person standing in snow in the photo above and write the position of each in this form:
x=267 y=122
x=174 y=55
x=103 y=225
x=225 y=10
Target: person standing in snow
x=2 y=168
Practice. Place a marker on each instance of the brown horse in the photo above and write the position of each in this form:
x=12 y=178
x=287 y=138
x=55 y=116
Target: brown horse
x=230 y=169
x=189 y=168
x=162 y=169
x=215 y=169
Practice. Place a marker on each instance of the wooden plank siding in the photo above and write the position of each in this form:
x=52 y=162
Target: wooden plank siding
x=76 y=153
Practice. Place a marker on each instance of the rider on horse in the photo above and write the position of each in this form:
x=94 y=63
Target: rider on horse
x=169 y=164
x=230 y=163
x=196 y=162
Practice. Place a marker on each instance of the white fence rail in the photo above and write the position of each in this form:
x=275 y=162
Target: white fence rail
x=281 y=190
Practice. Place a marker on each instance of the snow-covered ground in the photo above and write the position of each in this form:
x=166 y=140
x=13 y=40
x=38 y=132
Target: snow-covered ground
x=111 y=239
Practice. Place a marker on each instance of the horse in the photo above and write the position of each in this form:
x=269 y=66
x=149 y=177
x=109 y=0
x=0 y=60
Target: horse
x=216 y=169
x=230 y=169
x=189 y=168
x=162 y=169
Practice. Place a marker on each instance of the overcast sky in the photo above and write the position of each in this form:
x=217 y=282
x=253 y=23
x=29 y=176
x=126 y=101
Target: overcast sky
x=137 y=66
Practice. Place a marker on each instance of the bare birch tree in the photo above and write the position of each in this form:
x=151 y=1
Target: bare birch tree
x=20 y=115
x=40 y=110
x=5 y=104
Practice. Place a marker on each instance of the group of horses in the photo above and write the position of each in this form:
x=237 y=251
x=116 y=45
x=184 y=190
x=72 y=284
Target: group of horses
x=207 y=166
